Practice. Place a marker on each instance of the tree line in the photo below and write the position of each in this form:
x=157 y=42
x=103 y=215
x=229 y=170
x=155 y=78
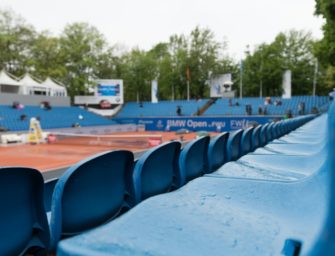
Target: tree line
x=81 y=54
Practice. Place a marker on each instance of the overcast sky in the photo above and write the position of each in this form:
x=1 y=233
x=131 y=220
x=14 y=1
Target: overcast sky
x=144 y=23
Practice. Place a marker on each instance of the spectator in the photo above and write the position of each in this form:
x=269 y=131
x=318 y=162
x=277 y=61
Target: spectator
x=314 y=110
x=267 y=101
x=277 y=103
x=260 y=110
x=23 y=117
x=141 y=104
x=301 y=108
x=289 y=113
x=15 y=104
x=237 y=104
x=248 y=109
x=230 y=103
x=265 y=112
x=178 y=111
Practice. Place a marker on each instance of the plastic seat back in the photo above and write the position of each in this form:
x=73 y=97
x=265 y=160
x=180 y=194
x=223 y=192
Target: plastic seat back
x=255 y=140
x=91 y=193
x=262 y=135
x=24 y=226
x=217 y=154
x=246 y=144
x=269 y=131
x=156 y=171
x=193 y=160
x=233 y=145
x=49 y=187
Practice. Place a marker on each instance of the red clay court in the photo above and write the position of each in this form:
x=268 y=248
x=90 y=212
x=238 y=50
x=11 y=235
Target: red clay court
x=47 y=157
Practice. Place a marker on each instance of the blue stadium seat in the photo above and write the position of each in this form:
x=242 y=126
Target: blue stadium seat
x=217 y=154
x=255 y=139
x=48 y=191
x=263 y=139
x=233 y=145
x=157 y=171
x=23 y=222
x=246 y=144
x=193 y=160
x=91 y=193
x=269 y=132
x=57 y=117
x=261 y=215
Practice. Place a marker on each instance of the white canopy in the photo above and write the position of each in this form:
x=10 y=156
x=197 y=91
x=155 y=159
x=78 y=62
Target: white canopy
x=28 y=81
x=55 y=89
x=5 y=79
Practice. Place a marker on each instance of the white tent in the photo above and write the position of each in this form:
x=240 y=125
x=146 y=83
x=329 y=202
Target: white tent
x=54 y=89
x=8 y=84
x=30 y=86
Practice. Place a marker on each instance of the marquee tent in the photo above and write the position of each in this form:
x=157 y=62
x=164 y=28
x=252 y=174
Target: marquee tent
x=8 y=84
x=31 y=86
x=54 y=89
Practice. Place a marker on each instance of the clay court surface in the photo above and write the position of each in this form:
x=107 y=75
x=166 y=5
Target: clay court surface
x=47 y=157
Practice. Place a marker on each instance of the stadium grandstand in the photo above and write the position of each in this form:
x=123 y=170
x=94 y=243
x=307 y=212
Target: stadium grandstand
x=187 y=177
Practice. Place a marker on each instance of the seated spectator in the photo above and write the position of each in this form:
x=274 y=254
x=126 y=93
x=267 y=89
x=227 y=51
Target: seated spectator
x=20 y=106
x=314 y=110
x=15 y=104
x=141 y=105
x=23 y=117
x=237 y=104
x=265 y=112
x=75 y=125
x=289 y=113
x=80 y=117
x=267 y=101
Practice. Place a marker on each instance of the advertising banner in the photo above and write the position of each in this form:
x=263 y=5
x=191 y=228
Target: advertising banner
x=214 y=124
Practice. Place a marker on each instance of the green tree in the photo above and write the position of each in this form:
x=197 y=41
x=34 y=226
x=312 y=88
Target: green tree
x=82 y=46
x=264 y=68
x=139 y=69
x=325 y=48
x=16 y=39
x=46 y=58
x=203 y=58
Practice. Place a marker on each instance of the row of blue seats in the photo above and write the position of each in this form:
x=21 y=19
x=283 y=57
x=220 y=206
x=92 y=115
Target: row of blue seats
x=101 y=188
x=286 y=209
x=57 y=117
x=221 y=106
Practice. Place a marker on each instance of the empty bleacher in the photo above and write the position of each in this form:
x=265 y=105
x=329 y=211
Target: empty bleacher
x=162 y=108
x=222 y=108
x=56 y=117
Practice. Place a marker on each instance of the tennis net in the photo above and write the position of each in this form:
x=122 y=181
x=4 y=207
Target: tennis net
x=122 y=141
